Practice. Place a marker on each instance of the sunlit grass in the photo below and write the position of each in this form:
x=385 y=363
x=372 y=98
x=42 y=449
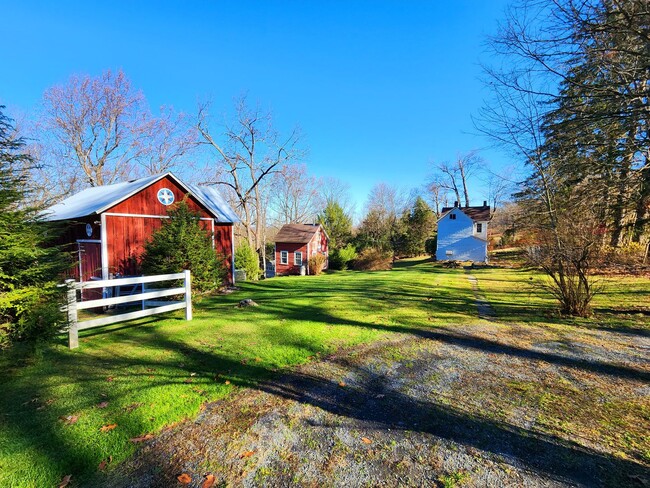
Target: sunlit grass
x=152 y=373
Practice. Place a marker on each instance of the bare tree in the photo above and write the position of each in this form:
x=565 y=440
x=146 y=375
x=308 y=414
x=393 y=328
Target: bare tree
x=95 y=131
x=164 y=141
x=94 y=121
x=249 y=153
x=334 y=190
x=388 y=201
x=294 y=195
x=449 y=179
x=454 y=176
x=499 y=187
x=438 y=195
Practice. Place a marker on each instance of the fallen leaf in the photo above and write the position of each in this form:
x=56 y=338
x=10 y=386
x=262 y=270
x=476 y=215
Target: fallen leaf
x=102 y=405
x=209 y=481
x=65 y=481
x=142 y=438
x=132 y=407
x=106 y=428
x=246 y=454
x=192 y=374
x=365 y=440
x=342 y=384
x=185 y=479
x=188 y=380
x=46 y=404
x=102 y=465
x=227 y=382
x=69 y=419
x=110 y=378
x=381 y=395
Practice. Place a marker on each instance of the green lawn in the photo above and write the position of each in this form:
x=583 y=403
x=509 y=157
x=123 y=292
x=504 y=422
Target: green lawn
x=623 y=302
x=142 y=376
x=154 y=373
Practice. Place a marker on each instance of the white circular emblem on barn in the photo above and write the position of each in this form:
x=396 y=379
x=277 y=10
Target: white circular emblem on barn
x=89 y=230
x=165 y=196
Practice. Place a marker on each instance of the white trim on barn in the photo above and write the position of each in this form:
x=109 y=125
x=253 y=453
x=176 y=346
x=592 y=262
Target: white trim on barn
x=104 y=239
x=146 y=216
x=232 y=252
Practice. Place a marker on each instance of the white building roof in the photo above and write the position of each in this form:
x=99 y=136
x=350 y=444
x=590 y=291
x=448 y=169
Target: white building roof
x=95 y=200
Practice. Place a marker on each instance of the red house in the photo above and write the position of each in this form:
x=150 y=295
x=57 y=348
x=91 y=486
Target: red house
x=295 y=243
x=108 y=225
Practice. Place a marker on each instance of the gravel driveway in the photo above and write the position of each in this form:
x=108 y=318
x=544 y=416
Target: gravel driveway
x=484 y=405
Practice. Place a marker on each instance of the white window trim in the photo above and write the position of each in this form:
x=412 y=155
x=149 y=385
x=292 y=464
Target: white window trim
x=479 y=231
x=284 y=257
x=295 y=258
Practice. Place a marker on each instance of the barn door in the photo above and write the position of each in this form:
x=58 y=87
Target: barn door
x=90 y=266
x=90 y=260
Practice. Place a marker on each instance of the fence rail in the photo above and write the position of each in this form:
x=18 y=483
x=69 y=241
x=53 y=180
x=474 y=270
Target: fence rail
x=74 y=305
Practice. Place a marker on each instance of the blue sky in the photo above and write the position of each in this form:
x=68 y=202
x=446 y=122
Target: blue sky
x=379 y=88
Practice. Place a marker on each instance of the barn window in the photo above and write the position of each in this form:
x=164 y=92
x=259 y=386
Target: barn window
x=479 y=228
x=452 y=216
x=297 y=258
x=165 y=196
x=284 y=257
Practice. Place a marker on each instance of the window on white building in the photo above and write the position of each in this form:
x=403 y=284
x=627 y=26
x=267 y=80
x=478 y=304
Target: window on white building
x=479 y=228
x=284 y=257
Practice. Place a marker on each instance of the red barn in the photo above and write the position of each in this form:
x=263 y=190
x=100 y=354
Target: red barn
x=295 y=243
x=108 y=225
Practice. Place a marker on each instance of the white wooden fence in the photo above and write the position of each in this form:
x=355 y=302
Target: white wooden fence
x=74 y=305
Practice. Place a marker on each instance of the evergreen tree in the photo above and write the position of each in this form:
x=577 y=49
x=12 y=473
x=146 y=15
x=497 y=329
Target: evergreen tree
x=182 y=244
x=418 y=224
x=337 y=224
x=29 y=268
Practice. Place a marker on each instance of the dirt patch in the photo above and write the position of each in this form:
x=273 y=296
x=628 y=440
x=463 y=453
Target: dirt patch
x=484 y=405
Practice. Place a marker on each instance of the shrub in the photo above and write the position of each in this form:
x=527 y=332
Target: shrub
x=316 y=264
x=373 y=260
x=247 y=259
x=566 y=253
x=341 y=258
x=629 y=255
x=181 y=244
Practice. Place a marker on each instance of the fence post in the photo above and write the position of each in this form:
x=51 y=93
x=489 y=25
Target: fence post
x=188 y=295
x=73 y=333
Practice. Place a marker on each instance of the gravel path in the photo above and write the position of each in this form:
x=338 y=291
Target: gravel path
x=454 y=406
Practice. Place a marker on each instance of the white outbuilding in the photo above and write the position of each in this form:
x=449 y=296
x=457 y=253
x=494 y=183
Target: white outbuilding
x=463 y=233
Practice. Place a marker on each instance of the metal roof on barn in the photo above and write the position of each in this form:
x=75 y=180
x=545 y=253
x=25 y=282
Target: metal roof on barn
x=477 y=214
x=298 y=233
x=98 y=199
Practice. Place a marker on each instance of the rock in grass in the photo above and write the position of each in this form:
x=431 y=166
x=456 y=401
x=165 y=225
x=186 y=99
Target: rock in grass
x=247 y=302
